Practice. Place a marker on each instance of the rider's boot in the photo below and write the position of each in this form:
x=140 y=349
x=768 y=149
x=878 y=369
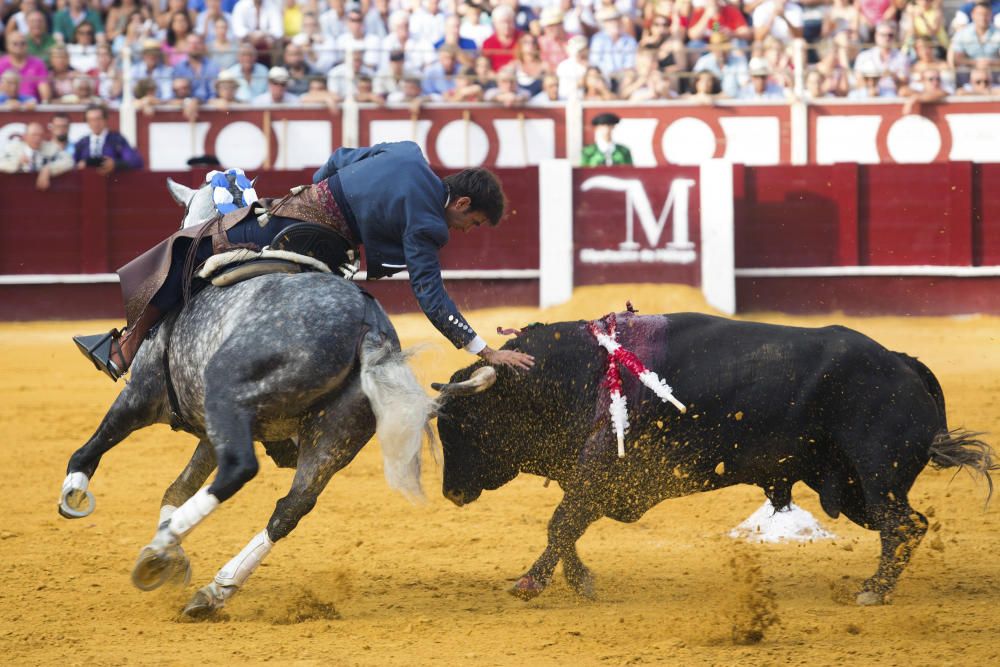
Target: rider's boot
x=113 y=352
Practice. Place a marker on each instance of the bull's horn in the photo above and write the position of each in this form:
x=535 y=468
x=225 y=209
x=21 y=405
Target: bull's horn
x=479 y=381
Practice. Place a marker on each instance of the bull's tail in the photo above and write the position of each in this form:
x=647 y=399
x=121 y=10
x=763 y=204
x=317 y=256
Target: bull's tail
x=402 y=409
x=963 y=449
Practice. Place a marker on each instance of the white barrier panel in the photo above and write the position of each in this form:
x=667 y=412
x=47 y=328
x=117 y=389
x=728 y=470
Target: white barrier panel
x=555 y=232
x=718 y=255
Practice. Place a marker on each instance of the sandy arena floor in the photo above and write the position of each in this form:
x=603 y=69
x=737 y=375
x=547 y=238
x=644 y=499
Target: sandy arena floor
x=369 y=579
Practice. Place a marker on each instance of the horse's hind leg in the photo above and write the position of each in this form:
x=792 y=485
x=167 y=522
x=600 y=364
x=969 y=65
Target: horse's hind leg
x=330 y=439
x=152 y=571
x=132 y=410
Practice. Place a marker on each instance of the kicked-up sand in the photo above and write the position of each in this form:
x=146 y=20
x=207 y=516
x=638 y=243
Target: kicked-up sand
x=369 y=579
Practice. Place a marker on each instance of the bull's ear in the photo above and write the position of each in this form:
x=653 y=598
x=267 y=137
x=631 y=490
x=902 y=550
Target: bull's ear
x=182 y=194
x=479 y=381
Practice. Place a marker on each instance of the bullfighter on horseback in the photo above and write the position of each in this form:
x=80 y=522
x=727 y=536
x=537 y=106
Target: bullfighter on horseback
x=385 y=198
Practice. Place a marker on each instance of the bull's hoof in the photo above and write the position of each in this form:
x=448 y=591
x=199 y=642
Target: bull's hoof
x=581 y=581
x=153 y=569
x=527 y=588
x=870 y=599
x=205 y=603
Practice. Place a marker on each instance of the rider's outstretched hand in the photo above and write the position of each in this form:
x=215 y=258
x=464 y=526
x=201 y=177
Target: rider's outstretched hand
x=507 y=358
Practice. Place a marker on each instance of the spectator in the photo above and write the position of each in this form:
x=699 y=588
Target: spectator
x=32 y=154
x=670 y=53
x=10 y=95
x=204 y=23
x=365 y=93
x=258 y=22
x=332 y=22
x=595 y=86
x=221 y=51
x=175 y=49
x=923 y=18
x=979 y=43
x=486 y=78
x=499 y=47
x=439 y=76
x=549 y=93
x=106 y=75
x=65 y=21
x=83 y=48
x=147 y=97
x=466 y=88
x=930 y=92
x=473 y=27
x=727 y=65
x=980 y=83
x=419 y=54
x=299 y=73
x=572 y=70
x=59 y=132
x=552 y=42
x=529 y=68
x=252 y=75
x=963 y=16
x=197 y=68
x=885 y=58
x=453 y=37
x=118 y=15
x=874 y=12
x=83 y=91
x=816 y=86
x=102 y=148
x=61 y=74
x=612 y=50
x=318 y=94
x=164 y=10
x=645 y=82
x=344 y=79
x=225 y=91
x=390 y=79
x=506 y=92
x=718 y=17
x=844 y=16
x=762 y=86
x=409 y=93
x=427 y=21
x=151 y=66
x=138 y=28
x=377 y=19
x=40 y=41
x=707 y=88
x=317 y=46
x=31 y=71
x=927 y=60
x=18 y=21
x=291 y=15
x=868 y=88
x=604 y=152
x=781 y=19
x=355 y=39
x=277 y=89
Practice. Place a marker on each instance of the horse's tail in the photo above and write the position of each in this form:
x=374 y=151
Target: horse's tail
x=402 y=408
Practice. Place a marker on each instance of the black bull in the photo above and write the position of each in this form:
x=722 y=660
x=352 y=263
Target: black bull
x=767 y=405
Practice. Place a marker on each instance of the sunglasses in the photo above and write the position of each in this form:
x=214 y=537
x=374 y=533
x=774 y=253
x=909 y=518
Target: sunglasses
x=661 y=24
x=980 y=82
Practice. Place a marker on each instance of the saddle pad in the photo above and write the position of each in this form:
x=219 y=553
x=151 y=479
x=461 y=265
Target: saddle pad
x=277 y=259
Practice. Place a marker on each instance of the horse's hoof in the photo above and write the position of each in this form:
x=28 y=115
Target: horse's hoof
x=582 y=583
x=153 y=569
x=76 y=504
x=869 y=599
x=204 y=603
x=527 y=588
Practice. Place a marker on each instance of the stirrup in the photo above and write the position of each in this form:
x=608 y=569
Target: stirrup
x=98 y=348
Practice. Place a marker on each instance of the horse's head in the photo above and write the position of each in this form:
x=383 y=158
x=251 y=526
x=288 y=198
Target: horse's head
x=220 y=193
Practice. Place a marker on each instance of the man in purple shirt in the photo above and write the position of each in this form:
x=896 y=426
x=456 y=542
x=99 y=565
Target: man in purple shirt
x=103 y=148
x=34 y=74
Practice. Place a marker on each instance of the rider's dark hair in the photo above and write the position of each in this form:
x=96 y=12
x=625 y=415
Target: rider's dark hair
x=483 y=188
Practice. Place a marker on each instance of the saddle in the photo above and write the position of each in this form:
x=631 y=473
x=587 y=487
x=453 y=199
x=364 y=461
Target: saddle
x=301 y=247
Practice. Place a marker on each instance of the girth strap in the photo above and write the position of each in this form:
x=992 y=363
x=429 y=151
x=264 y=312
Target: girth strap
x=177 y=422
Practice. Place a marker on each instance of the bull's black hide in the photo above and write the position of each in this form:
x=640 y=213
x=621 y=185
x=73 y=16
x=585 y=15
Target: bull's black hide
x=767 y=405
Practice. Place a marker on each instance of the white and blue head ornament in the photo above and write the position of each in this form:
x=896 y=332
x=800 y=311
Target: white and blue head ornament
x=231 y=189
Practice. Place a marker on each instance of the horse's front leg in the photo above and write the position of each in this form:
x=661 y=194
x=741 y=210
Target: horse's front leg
x=153 y=569
x=137 y=406
x=330 y=439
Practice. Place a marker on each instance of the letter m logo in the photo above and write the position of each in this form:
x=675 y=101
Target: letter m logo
x=637 y=204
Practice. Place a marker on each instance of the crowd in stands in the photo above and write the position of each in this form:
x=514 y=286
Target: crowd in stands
x=225 y=53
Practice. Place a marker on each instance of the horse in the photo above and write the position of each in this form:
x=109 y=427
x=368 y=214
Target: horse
x=315 y=373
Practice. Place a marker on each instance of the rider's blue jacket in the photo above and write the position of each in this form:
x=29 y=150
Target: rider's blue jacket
x=398 y=204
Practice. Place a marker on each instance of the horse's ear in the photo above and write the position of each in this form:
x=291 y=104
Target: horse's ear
x=182 y=194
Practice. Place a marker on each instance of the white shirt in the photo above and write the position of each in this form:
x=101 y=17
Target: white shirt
x=339 y=83
x=370 y=44
x=419 y=54
x=570 y=73
x=97 y=143
x=426 y=26
x=245 y=19
x=779 y=29
x=264 y=99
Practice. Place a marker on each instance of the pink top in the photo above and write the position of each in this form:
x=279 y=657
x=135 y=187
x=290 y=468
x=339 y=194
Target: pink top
x=873 y=9
x=32 y=74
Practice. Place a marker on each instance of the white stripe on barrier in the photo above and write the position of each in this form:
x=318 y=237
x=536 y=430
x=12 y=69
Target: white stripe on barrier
x=94 y=278
x=866 y=271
